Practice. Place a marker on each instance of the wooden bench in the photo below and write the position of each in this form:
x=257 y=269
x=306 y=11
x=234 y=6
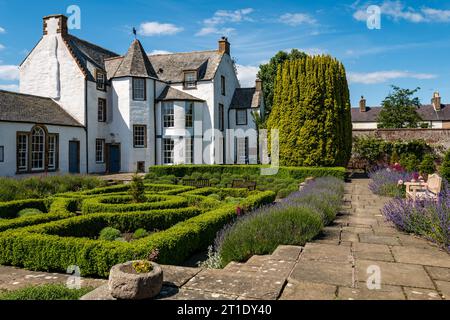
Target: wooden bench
x=250 y=185
x=198 y=183
x=429 y=190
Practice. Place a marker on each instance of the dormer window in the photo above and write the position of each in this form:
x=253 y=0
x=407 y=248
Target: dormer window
x=101 y=80
x=190 y=79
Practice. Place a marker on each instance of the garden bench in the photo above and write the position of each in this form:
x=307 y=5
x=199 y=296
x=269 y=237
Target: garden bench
x=424 y=190
x=250 y=185
x=198 y=183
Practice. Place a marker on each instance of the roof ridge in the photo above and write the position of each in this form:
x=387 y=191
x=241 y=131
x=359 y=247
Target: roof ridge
x=188 y=52
x=93 y=44
x=25 y=94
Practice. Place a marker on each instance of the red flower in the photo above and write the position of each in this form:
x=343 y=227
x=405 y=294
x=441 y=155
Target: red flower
x=238 y=211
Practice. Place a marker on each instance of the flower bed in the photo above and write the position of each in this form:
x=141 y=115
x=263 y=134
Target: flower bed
x=389 y=182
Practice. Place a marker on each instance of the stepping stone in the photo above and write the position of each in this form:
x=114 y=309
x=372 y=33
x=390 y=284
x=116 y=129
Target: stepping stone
x=304 y=290
x=370 y=251
x=444 y=288
x=325 y=252
x=392 y=273
x=328 y=272
x=429 y=257
x=422 y=294
x=267 y=286
x=288 y=253
x=438 y=273
x=371 y=238
x=177 y=276
x=386 y=292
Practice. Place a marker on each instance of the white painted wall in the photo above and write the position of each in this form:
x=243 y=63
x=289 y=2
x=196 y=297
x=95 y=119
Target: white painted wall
x=8 y=140
x=364 y=125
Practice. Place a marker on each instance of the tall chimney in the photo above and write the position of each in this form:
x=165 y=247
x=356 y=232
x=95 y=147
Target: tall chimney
x=224 y=45
x=362 y=105
x=436 y=101
x=55 y=24
x=258 y=84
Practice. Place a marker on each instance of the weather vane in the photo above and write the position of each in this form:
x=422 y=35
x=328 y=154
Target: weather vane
x=134 y=32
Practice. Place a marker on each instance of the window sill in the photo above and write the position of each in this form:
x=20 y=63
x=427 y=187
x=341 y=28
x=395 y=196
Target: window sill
x=36 y=171
x=139 y=147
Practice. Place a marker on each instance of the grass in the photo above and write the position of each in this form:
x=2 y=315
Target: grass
x=45 y=292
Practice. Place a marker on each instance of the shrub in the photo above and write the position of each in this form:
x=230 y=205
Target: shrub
x=409 y=162
x=10 y=209
x=46 y=292
x=427 y=165
x=445 y=168
x=28 y=212
x=137 y=189
x=140 y=233
x=142 y=266
x=109 y=234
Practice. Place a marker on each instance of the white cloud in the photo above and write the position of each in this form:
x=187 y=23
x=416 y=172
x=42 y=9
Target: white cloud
x=2 y=30
x=296 y=19
x=159 y=52
x=153 y=28
x=9 y=87
x=215 y=24
x=383 y=76
x=2 y=47
x=247 y=75
x=9 y=72
x=397 y=10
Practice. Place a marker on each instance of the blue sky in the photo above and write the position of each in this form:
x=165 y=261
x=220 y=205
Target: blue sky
x=410 y=50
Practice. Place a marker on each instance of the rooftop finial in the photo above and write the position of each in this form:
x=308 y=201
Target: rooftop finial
x=134 y=32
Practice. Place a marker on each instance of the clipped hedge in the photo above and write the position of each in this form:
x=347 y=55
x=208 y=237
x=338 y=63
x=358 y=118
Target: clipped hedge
x=42 y=248
x=10 y=209
x=293 y=172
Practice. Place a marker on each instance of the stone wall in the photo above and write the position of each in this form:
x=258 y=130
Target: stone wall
x=435 y=137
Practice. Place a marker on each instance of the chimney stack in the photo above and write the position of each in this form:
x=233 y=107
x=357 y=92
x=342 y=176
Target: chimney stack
x=258 y=84
x=224 y=45
x=436 y=101
x=55 y=24
x=362 y=104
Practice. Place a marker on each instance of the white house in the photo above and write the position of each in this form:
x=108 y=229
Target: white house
x=82 y=108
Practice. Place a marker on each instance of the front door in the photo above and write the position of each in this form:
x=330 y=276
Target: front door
x=113 y=158
x=74 y=156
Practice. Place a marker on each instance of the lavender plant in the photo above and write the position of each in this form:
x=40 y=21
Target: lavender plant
x=388 y=182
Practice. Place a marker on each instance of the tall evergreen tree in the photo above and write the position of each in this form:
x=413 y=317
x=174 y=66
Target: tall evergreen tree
x=311 y=110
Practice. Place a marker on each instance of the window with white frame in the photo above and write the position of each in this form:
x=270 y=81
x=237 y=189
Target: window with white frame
x=2 y=154
x=99 y=150
x=101 y=80
x=139 y=89
x=189 y=151
x=37 y=149
x=168 y=150
x=101 y=114
x=139 y=136
x=168 y=115
x=242 y=150
x=189 y=114
x=190 y=79
x=52 y=152
x=241 y=117
x=22 y=152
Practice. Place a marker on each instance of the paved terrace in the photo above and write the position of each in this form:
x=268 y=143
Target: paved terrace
x=332 y=267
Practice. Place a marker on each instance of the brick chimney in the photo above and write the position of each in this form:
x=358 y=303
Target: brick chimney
x=362 y=105
x=55 y=24
x=258 y=84
x=436 y=101
x=224 y=45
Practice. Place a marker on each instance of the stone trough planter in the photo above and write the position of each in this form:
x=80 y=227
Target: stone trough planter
x=126 y=283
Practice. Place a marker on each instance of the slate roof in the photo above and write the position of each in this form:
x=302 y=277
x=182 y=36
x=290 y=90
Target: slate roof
x=135 y=63
x=85 y=51
x=427 y=113
x=171 y=94
x=18 y=107
x=245 y=98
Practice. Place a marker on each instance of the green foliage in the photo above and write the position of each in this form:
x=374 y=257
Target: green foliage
x=399 y=109
x=409 y=162
x=46 y=292
x=137 y=189
x=311 y=110
x=41 y=187
x=268 y=72
x=427 y=165
x=10 y=209
x=109 y=234
x=140 y=233
x=445 y=167
x=142 y=266
x=28 y=212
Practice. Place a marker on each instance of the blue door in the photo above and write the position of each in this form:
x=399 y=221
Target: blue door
x=114 y=158
x=74 y=156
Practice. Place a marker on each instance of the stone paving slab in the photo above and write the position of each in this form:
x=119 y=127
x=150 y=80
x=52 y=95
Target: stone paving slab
x=444 y=288
x=438 y=273
x=325 y=252
x=421 y=294
x=400 y=274
x=288 y=253
x=386 y=292
x=370 y=251
x=334 y=273
x=304 y=290
x=178 y=276
x=429 y=257
x=375 y=239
